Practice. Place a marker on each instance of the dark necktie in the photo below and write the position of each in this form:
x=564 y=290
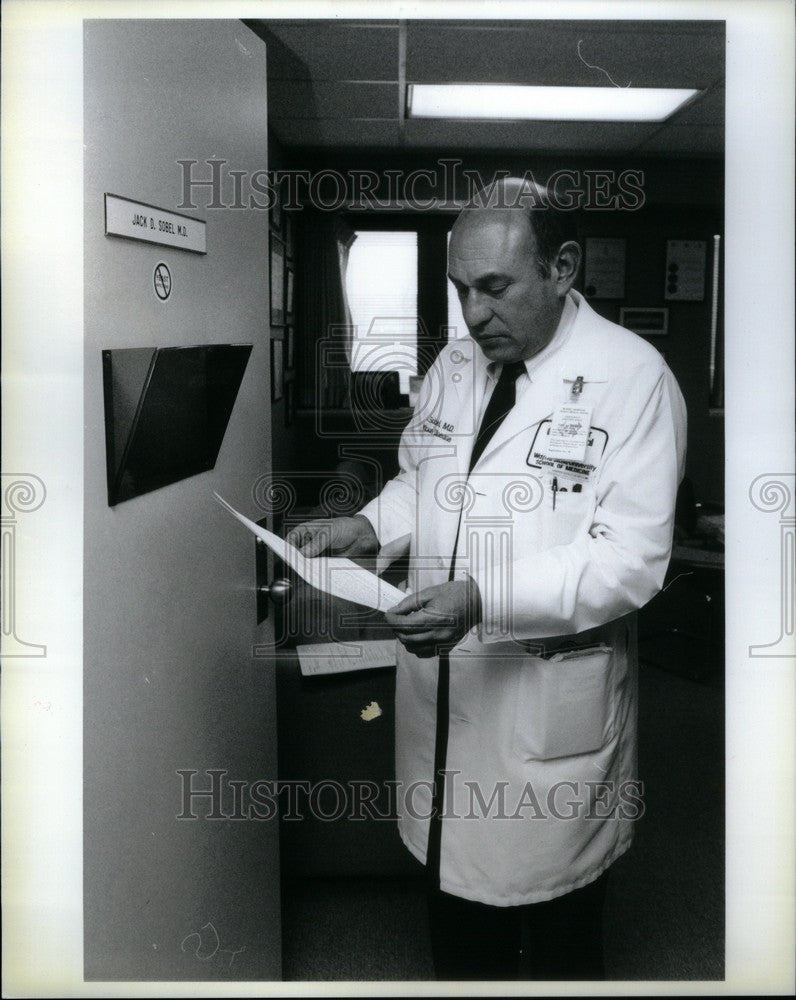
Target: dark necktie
x=500 y=402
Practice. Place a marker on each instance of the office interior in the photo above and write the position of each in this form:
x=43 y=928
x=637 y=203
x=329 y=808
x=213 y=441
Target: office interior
x=191 y=670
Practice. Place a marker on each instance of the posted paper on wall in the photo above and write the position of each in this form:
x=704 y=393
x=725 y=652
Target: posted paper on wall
x=333 y=575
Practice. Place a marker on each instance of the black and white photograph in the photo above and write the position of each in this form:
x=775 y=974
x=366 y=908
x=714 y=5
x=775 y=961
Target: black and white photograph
x=501 y=699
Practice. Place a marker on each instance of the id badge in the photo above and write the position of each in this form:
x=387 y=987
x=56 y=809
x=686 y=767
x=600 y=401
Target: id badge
x=569 y=432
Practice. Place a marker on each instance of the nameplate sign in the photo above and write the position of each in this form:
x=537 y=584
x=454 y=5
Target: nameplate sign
x=135 y=220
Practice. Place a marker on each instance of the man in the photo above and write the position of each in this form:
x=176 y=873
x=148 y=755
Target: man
x=536 y=495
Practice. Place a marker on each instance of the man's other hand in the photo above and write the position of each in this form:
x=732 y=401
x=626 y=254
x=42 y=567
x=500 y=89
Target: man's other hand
x=437 y=618
x=341 y=536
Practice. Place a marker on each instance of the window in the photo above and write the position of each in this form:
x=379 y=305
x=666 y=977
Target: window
x=381 y=286
x=396 y=288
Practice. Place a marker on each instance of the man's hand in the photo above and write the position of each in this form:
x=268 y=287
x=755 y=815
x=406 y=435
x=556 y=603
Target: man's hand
x=436 y=618
x=341 y=536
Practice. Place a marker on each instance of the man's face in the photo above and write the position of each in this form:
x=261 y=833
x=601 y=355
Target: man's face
x=510 y=310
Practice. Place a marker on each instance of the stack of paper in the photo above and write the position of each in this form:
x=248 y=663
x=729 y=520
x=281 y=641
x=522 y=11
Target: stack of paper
x=338 y=658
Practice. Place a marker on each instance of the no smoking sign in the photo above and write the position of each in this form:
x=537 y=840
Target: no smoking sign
x=162 y=282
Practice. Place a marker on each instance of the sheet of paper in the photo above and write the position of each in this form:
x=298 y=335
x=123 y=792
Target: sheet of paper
x=339 y=658
x=333 y=575
x=392 y=551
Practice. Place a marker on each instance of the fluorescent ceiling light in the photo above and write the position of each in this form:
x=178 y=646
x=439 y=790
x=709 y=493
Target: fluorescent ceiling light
x=503 y=101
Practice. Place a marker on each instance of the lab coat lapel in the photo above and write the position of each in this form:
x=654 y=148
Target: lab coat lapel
x=548 y=388
x=461 y=378
x=450 y=400
x=538 y=401
x=470 y=389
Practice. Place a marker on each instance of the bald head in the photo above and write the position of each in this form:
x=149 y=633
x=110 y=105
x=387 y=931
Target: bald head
x=549 y=225
x=511 y=290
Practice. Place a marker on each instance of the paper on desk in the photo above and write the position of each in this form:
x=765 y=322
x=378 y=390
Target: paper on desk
x=338 y=658
x=333 y=575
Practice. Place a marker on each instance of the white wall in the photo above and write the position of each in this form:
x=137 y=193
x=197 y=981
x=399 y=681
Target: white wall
x=169 y=622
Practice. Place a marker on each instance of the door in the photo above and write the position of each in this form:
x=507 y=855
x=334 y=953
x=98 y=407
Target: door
x=178 y=677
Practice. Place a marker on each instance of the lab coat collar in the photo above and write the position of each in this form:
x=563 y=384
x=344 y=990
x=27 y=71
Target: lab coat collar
x=557 y=362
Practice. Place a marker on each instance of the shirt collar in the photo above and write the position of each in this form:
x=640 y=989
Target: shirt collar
x=559 y=338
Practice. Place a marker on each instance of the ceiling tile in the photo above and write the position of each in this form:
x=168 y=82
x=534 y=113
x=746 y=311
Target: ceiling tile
x=307 y=99
x=686 y=140
x=332 y=51
x=705 y=110
x=546 y=53
x=337 y=133
x=333 y=84
x=535 y=137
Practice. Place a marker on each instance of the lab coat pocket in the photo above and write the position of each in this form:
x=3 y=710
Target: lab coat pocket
x=568 y=513
x=565 y=704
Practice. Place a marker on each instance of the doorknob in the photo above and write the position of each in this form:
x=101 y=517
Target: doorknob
x=280 y=591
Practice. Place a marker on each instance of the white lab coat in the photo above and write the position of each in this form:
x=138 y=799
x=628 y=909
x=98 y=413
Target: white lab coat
x=534 y=733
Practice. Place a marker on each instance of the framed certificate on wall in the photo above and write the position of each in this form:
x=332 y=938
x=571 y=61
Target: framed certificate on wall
x=277 y=277
x=277 y=370
x=604 y=275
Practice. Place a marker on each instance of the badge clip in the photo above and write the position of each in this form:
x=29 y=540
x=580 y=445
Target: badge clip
x=578 y=384
x=577 y=387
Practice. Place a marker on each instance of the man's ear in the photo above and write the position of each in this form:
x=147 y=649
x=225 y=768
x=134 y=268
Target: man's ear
x=566 y=266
